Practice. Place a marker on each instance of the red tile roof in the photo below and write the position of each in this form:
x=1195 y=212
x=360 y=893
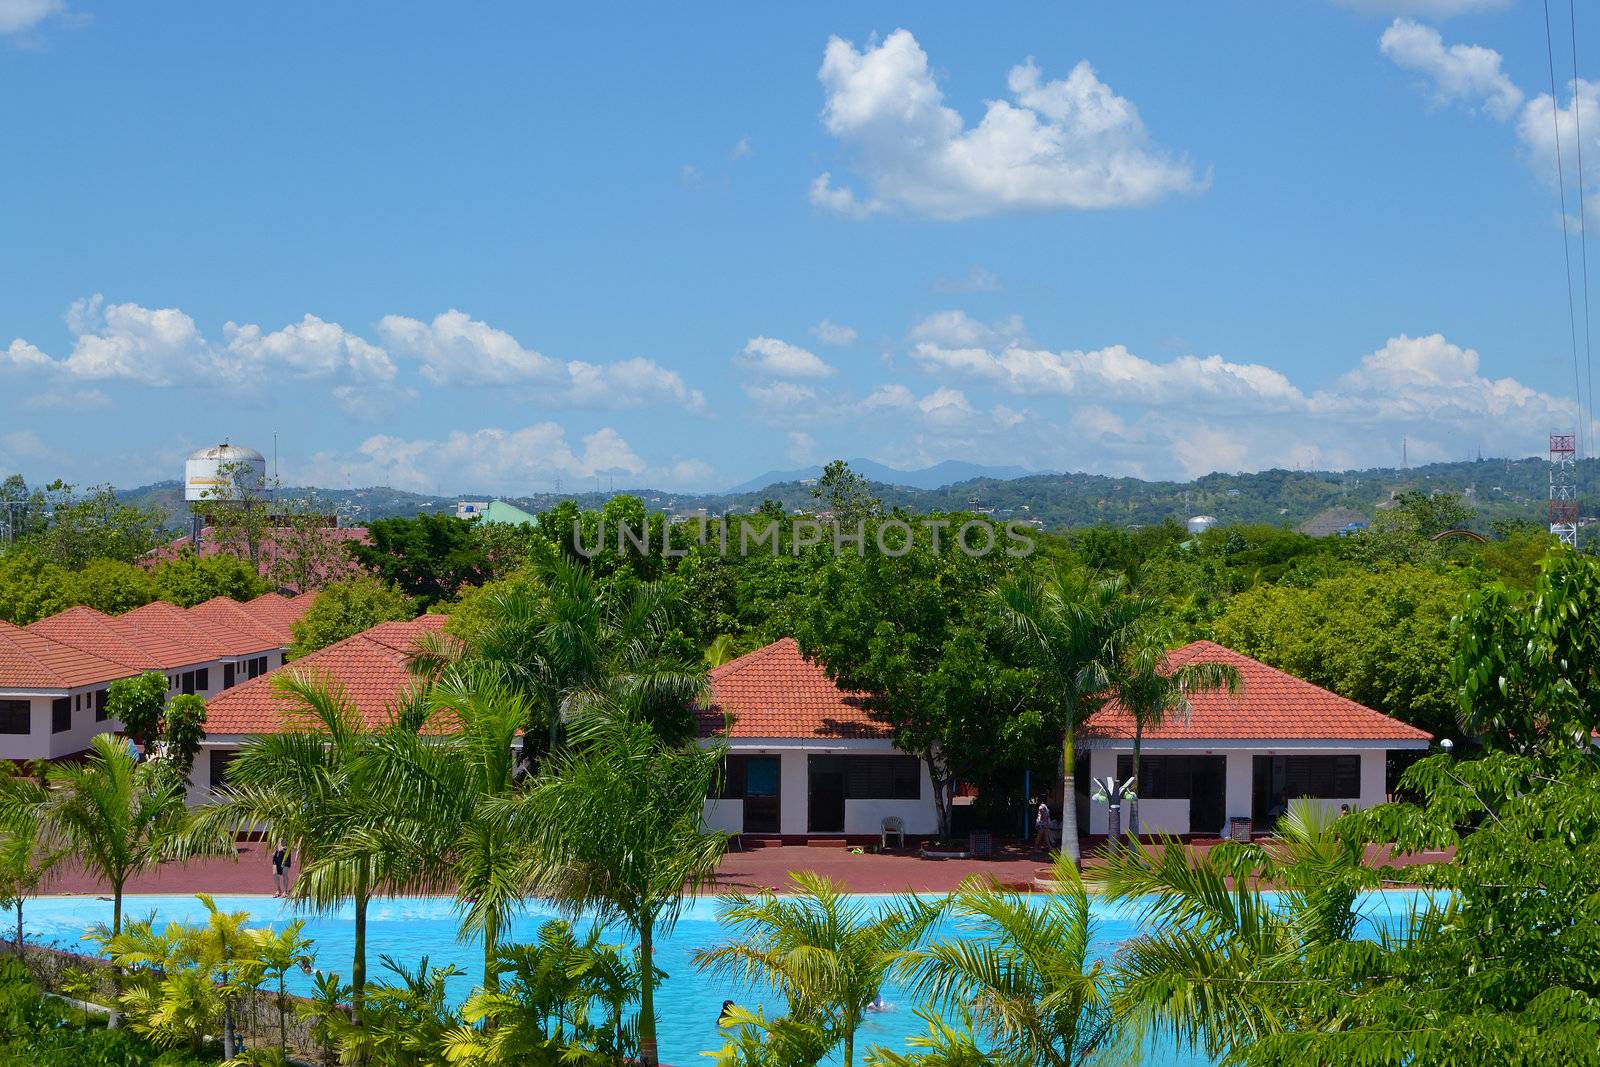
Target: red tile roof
x=116 y=638
x=238 y=630
x=776 y=692
x=370 y=667
x=176 y=624
x=278 y=611
x=1270 y=705
x=31 y=660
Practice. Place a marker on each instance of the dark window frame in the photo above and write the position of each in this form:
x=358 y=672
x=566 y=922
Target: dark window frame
x=14 y=713
x=890 y=776
x=61 y=715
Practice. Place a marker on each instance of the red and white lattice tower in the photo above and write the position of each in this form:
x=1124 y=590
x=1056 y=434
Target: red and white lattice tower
x=1564 y=487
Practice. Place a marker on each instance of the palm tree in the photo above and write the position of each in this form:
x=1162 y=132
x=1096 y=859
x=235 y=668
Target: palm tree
x=1070 y=626
x=308 y=787
x=1021 y=972
x=1153 y=691
x=615 y=824
x=114 y=815
x=563 y=644
x=826 y=951
x=1220 y=958
x=439 y=795
x=25 y=859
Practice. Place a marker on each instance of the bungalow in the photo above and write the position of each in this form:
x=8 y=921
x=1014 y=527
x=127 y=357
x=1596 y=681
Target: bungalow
x=52 y=695
x=81 y=651
x=371 y=668
x=805 y=759
x=1238 y=755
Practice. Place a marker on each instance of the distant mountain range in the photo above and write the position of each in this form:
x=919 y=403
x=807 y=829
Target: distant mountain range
x=935 y=477
x=1497 y=488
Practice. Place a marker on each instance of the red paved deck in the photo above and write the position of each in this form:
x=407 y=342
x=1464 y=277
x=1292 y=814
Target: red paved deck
x=748 y=871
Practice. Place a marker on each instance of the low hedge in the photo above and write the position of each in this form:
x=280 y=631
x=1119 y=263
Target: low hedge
x=41 y=1031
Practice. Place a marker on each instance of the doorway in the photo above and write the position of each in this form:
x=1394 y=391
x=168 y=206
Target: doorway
x=1207 y=784
x=825 y=804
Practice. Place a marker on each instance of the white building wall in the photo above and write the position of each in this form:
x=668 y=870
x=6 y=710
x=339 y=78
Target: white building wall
x=40 y=742
x=1172 y=816
x=725 y=815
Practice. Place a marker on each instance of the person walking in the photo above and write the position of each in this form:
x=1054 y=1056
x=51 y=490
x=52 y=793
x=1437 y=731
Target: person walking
x=280 y=871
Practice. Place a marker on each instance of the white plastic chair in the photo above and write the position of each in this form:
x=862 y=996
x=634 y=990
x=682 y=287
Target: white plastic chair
x=892 y=824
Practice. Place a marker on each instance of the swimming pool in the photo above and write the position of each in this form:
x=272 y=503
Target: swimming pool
x=687 y=1003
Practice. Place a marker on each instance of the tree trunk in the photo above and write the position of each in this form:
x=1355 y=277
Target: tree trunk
x=849 y=1048
x=114 y=1020
x=941 y=802
x=1133 y=805
x=647 y=996
x=1069 y=798
x=19 y=928
x=229 y=1043
x=358 y=965
x=491 y=964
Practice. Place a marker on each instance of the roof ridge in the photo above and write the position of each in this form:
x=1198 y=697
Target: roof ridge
x=1294 y=678
x=738 y=663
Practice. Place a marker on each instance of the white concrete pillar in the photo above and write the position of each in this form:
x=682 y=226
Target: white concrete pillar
x=1238 y=795
x=795 y=793
x=1374 y=778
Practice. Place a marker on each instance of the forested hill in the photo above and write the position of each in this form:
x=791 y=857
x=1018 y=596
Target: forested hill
x=1499 y=488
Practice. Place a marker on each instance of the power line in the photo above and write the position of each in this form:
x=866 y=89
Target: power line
x=1587 y=410
x=1561 y=185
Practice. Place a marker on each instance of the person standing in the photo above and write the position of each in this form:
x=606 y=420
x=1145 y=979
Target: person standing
x=1041 y=825
x=280 y=871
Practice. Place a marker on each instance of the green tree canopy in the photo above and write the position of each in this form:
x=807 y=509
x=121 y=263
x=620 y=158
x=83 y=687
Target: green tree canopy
x=342 y=609
x=428 y=558
x=188 y=579
x=137 y=703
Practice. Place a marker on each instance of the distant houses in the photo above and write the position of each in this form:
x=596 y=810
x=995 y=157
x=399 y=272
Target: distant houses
x=55 y=673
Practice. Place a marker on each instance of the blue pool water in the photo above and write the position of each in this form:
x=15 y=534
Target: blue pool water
x=687 y=1003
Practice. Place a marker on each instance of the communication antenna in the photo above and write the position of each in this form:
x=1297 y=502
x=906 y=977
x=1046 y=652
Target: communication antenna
x=1563 y=487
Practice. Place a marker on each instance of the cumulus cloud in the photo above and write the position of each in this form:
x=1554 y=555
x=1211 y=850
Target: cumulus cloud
x=1458 y=73
x=1070 y=143
x=784 y=360
x=781 y=395
x=456 y=349
x=1130 y=408
x=496 y=460
x=831 y=333
x=19 y=15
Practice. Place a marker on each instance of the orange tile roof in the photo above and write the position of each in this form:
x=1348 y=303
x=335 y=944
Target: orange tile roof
x=239 y=631
x=278 y=611
x=115 y=638
x=1270 y=706
x=776 y=692
x=30 y=660
x=370 y=667
x=176 y=624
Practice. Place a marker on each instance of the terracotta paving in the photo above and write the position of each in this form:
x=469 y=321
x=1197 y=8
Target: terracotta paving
x=747 y=871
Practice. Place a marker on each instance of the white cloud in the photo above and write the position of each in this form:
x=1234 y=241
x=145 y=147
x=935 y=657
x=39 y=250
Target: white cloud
x=496 y=460
x=1464 y=73
x=310 y=348
x=781 y=395
x=1069 y=143
x=957 y=329
x=19 y=15
x=455 y=349
x=831 y=333
x=741 y=149
x=782 y=359
x=20 y=355
x=1436 y=9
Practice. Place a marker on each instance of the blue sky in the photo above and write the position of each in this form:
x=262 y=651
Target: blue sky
x=679 y=245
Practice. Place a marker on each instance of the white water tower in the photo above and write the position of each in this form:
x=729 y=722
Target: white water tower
x=223 y=472
x=1201 y=523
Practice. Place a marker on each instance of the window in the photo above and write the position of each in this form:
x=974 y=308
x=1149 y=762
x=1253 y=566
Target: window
x=750 y=776
x=188 y=681
x=202 y=679
x=227 y=676
x=258 y=666
x=1160 y=777
x=16 y=717
x=60 y=715
x=220 y=759
x=1291 y=777
x=100 y=704
x=883 y=778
